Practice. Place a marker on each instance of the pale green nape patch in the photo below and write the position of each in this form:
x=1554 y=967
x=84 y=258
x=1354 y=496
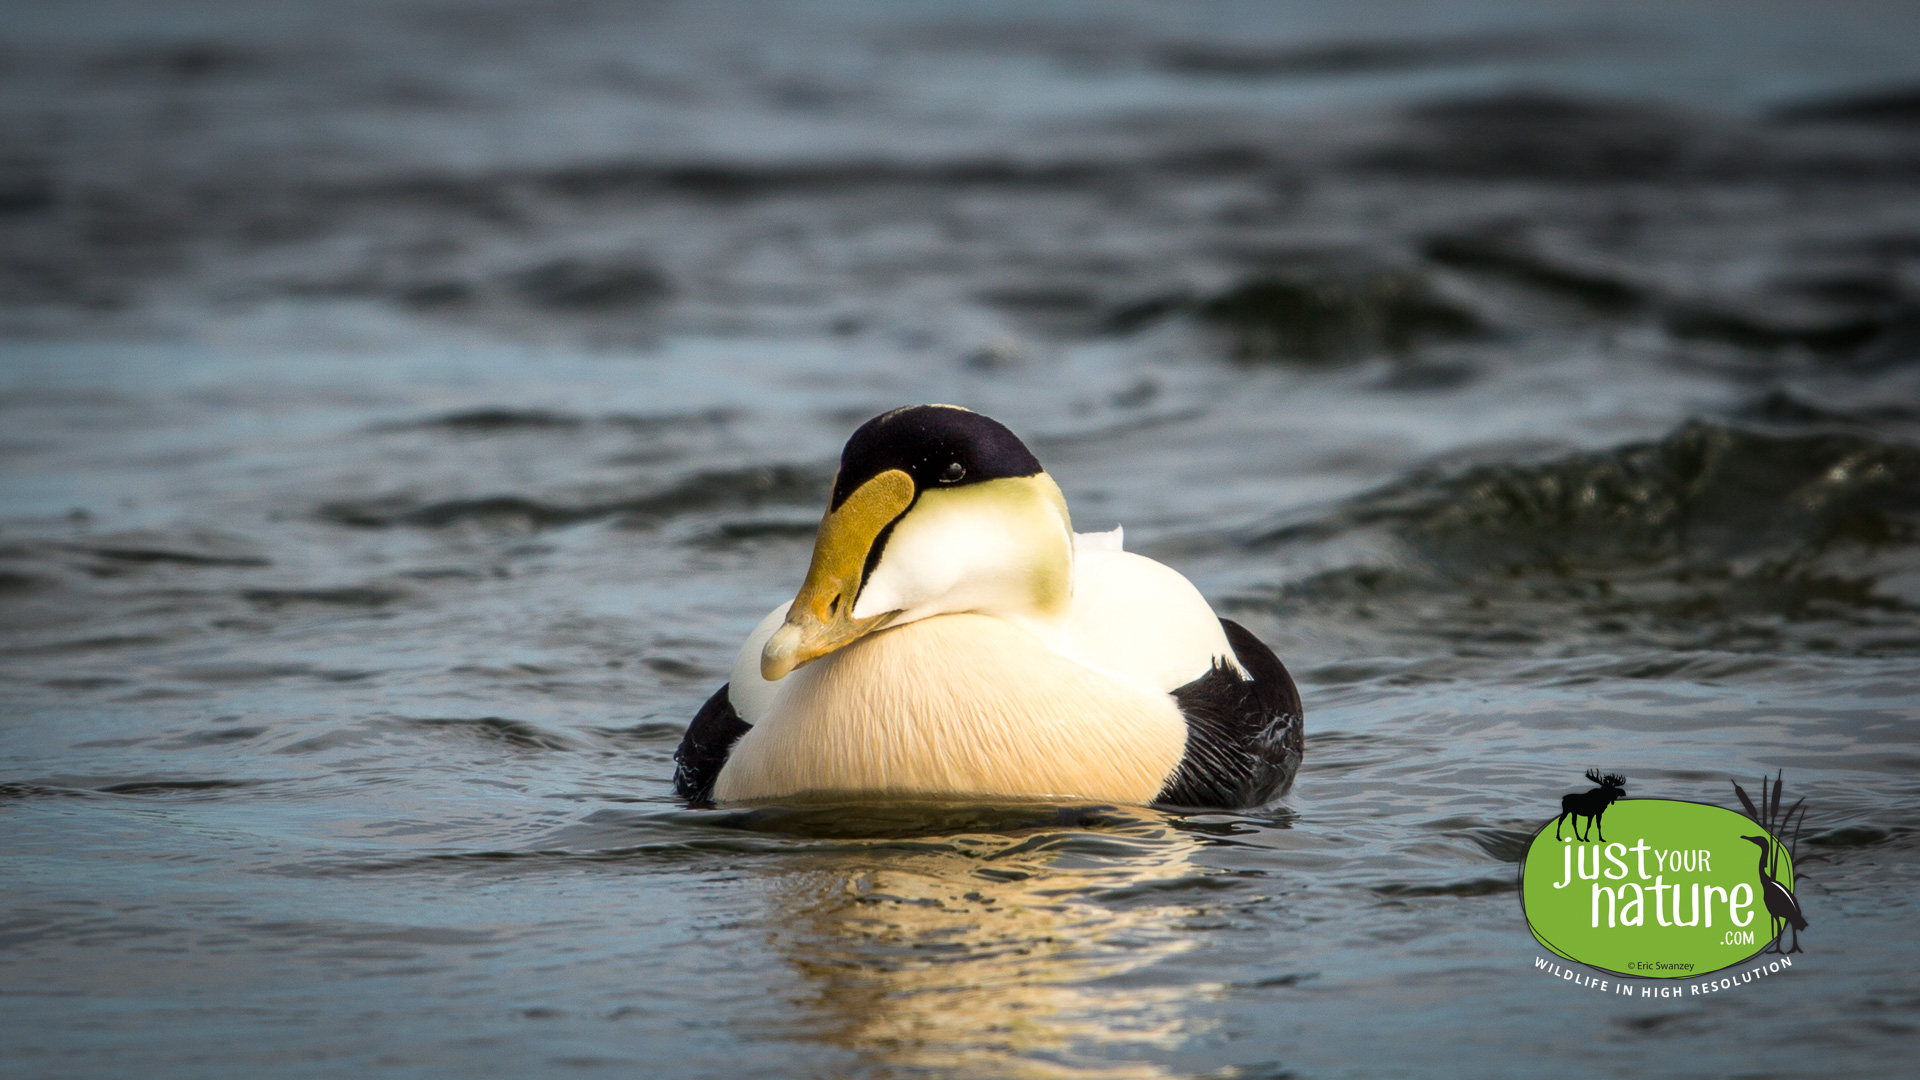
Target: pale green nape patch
x=1000 y=547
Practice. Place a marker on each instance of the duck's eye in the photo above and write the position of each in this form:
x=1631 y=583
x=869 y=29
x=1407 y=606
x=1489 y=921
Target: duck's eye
x=954 y=474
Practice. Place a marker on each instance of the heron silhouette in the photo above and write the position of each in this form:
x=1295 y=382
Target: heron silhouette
x=1780 y=902
x=1779 y=899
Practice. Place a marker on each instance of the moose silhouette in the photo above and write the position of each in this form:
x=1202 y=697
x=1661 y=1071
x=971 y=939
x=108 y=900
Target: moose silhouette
x=1591 y=804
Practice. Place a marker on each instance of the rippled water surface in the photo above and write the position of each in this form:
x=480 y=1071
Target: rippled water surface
x=406 y=409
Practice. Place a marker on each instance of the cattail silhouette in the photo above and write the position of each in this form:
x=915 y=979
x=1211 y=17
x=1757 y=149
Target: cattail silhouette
x=1591 y=804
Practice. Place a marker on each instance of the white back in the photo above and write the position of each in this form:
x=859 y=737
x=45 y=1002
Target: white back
x=1138 y=621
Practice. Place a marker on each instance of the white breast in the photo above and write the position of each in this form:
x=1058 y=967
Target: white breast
x=954 y=705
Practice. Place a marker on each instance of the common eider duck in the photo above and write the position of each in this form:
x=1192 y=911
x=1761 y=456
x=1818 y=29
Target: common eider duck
x=954 y=638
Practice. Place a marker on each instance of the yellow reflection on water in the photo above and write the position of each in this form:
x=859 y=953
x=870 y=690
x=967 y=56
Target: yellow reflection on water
x=997 y=955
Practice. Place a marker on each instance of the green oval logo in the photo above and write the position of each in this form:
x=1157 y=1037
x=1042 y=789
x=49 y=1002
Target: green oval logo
x=1676 y=889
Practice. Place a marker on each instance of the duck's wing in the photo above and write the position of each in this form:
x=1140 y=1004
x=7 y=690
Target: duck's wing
x=1245 y=734
x=705 y=746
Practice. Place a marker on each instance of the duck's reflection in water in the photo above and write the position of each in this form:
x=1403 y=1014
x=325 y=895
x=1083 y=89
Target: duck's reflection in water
x=997 y=953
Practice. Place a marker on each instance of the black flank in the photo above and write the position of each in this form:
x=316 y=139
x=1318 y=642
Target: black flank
x=1245 y=737
x=704 y=748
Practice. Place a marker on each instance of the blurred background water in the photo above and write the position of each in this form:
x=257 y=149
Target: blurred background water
x=406 y=408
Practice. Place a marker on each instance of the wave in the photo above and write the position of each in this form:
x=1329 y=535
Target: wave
x=997 y=842
x=1332 y=316
x=1314 y=311
x=750 y=488
x=497 y=419
x=1355 y=56
x=515 y=734
x=1716 y=536
x=1329 y=308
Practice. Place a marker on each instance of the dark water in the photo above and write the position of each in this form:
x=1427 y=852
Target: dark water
x=408 y=408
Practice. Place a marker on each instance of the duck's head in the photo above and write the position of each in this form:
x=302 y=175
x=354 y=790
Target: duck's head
x=935 y=510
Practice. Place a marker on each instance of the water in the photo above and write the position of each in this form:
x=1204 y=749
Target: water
x=407 y=411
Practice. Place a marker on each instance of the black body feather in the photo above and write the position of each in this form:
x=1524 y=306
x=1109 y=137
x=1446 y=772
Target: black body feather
x=705 y=746
x=1245 y=736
